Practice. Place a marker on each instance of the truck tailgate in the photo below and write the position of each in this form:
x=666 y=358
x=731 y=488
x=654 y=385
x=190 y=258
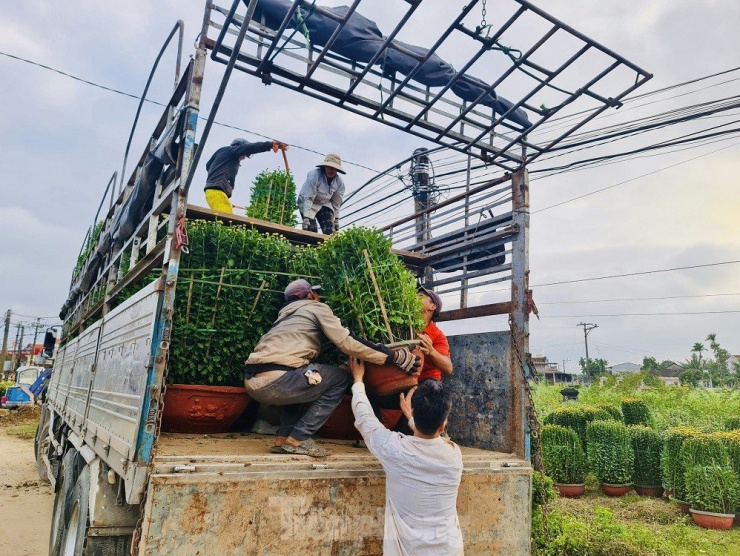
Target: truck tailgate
x=256 y=503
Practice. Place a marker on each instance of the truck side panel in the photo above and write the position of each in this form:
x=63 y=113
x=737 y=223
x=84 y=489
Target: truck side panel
x=119 y=383
x=62 y=376
x=81 y=377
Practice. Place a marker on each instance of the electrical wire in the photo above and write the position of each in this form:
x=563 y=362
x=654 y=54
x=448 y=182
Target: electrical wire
x=640 y=314
x=154 y=102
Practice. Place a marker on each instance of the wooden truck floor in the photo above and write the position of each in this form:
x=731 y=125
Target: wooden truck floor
x=231 y=496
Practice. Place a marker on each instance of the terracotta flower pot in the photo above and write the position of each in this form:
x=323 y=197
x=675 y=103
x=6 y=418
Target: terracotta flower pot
x=615 y=490
x=341 y=423
x=201 y=409
x=571 y=491
x=386 y=380
x=681 y=504
x=654 y=491
x=710 y=520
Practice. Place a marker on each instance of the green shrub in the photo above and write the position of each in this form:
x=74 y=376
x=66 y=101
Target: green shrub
x=712 y=488
x=542 y=488
x=703 y=450
x=229 y=291
x=731 y=442
x=4 y=385
x=732 y=423
x=274 y=198
x=576 y=417
x=562 y=455
x=612 y=410
x=647 y=444
x=350 y=292
x=597 y=533
x=636 y=412
x=670 y=460
x=610 y=453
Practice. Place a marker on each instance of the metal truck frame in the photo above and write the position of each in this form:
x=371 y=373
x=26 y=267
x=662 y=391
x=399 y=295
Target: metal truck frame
x=122 y=487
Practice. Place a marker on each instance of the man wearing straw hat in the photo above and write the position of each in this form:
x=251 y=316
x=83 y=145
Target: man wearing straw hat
x=321 y=196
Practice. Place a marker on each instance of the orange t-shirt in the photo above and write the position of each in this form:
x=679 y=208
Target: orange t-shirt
x=439 y=342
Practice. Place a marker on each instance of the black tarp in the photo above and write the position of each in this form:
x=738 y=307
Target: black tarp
x=361 y=39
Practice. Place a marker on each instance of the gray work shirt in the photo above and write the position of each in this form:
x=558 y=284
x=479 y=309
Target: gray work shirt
x=317 y=192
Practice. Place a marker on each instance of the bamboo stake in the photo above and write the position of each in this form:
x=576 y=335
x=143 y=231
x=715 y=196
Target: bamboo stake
x=215 y=307
x=190 y=299
x=257 y=297
x=377 y=292
x=267 y=207
x=352 y=298
x=285 y=194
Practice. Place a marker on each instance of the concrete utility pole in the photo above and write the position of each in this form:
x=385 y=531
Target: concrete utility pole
x=587 y=328
x=6 y=332
x=35 y=337
x=424 y=190
x=16 y=351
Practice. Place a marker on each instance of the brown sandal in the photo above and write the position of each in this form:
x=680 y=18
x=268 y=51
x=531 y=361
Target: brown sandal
x=307 y=448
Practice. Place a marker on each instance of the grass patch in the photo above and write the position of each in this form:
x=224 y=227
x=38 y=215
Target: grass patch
x=631 y=525
x=27 y=431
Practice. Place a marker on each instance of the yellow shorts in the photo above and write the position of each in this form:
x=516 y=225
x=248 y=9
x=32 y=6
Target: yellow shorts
x=218 y=200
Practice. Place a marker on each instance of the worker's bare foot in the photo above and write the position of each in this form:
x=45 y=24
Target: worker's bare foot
x=305 y=448
x=277 y=448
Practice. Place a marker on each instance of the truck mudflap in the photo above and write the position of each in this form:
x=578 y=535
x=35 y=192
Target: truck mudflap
x=270 y=505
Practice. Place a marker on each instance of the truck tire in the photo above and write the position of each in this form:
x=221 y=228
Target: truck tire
x=41 y=443
x=65 y=484
x=76 y=510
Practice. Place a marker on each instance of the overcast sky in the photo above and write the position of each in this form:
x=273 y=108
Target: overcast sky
x=61 y=140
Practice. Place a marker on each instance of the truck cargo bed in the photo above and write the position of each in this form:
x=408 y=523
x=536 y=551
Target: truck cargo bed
x=229 y=495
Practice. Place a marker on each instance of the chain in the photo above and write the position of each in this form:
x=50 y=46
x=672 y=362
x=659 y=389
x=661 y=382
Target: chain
x=483 y=21
x=534 y=425
x=158 y=426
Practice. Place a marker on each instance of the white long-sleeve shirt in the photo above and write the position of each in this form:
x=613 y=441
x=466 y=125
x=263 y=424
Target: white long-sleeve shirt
x=318 y=192
x=422 y=479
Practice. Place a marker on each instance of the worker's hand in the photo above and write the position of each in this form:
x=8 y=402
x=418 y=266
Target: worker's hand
x=310 y=225
x=407 y=361
x=405 y=403
x=426 y=346
x=357 y=368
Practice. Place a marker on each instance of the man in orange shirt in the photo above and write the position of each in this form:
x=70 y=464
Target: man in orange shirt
x=434 y=345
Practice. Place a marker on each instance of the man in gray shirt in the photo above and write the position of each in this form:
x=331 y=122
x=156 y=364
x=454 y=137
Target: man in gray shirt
x=321 y=196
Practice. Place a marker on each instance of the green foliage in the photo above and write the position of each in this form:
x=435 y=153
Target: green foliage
x=542 y=488
x=702 y=450
x=228 y=294
x=670 y=460
x=349 y=290
x=90 y=243
x=576 y=417
x=647 y=444
x=712 y=488
x=596 y=533
x=612 y=410
x=562 y=455
x=4 y=385
x=732 y=423
x=274 y=198
x=610 y=453
x=731 y=442
x=636 y=412
x=595 y=367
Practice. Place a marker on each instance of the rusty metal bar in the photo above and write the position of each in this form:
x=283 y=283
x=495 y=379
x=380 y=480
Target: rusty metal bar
x=502 y=308
x=519 y=318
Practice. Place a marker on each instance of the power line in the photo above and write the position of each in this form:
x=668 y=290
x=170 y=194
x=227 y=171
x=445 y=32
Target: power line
x=641 y=314
x=636 y=273
x=636 y=299
x=137 y=97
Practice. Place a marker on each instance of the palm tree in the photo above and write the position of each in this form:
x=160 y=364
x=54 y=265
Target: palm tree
x=698 y=349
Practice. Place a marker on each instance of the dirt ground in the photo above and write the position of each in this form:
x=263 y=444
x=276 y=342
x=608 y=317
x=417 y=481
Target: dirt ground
x=25 y=502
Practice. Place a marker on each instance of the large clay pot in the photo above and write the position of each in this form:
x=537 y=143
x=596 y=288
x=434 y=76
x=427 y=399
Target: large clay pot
x=571 y=491
x=654 y=491
x=386 y=380
x=615 y=490
x=681 y=504
x=341 y=423
x=195 y=408
x=710 y=520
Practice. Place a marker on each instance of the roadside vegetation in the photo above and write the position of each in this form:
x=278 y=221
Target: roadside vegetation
x=675 y=435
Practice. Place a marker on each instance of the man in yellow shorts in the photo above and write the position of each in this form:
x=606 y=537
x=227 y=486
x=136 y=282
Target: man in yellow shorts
x=224 y=165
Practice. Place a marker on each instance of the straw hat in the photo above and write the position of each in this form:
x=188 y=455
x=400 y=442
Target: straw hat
x=333 y=161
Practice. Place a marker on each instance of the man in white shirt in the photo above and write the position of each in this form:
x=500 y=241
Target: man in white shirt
x=422 y=471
